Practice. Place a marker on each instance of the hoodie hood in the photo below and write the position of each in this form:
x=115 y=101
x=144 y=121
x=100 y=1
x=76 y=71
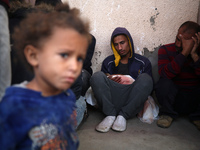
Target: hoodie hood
x=120 y=31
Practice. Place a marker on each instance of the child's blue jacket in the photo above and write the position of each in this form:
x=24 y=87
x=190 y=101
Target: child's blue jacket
x=29 y=120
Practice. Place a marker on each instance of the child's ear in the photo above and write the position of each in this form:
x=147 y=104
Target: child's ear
x=31 y=54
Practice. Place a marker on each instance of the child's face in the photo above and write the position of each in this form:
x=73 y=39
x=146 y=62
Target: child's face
x=60 y=60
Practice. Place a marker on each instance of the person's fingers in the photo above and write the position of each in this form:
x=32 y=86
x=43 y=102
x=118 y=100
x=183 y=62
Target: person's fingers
x=195 y=40
x=116 y=78
x=181 y=37
x=198 y=38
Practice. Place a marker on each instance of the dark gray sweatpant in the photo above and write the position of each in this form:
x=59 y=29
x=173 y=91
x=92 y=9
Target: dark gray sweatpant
x=118 y=99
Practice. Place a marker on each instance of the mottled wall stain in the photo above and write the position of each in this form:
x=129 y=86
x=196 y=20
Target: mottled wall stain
x=96 y=56
x=151 y=23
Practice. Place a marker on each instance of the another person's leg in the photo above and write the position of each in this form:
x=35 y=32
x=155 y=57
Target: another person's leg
x=81 y=110
x=102 y=91
x=77 y=87
x=166 y=92
x=80 y=87
x=80 y=101
x=86 y=81
x=190 y=104
x=137 y=94
x=195 y=116
x=141 y=89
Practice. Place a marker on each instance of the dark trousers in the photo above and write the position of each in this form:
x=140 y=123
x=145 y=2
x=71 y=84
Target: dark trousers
x=174 y=101
x=118 y=99
x=81 y=84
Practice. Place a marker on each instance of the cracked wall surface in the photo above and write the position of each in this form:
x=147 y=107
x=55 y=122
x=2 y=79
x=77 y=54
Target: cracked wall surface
x=151 y=23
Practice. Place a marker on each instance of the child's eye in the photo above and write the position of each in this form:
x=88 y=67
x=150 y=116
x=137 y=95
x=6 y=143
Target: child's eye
x=80 y=59
x=64 y=55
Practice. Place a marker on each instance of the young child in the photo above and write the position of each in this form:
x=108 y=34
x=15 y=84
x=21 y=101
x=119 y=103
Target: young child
x=40 y=114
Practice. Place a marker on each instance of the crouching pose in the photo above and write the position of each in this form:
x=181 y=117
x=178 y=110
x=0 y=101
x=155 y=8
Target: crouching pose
x=178 y=89
x=123 y=84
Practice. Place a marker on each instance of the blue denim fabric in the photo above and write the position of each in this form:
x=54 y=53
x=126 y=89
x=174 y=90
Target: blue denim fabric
x=80 y=110
x=5 y=64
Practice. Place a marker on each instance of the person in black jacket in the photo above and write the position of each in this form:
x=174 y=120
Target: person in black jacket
x=83 y=82
x=17 y=12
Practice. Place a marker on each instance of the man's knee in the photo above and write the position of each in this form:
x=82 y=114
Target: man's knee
x=145 y=80
x=96 y=77
x=164 y=84
x=165 y=87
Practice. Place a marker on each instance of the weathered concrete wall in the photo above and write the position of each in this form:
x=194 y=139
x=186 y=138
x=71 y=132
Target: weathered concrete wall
x=150 y=22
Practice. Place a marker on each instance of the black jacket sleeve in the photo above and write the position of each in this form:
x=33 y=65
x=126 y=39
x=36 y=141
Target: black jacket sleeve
x=87 y=63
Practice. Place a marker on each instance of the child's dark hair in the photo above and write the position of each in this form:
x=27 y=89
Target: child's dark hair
x=39 y=26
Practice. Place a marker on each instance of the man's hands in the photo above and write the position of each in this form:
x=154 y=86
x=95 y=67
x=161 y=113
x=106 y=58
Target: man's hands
x=196 y=47
x=122 y=79
x=191 y=46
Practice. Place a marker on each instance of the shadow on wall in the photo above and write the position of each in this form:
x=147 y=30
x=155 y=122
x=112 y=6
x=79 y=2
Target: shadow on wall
x=153 y=58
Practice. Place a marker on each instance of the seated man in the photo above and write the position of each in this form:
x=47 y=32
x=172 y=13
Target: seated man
x=123 y=84
x=178 y=89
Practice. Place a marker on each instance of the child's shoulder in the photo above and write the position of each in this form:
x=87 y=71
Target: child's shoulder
x=17 y=96
x=18 y=91
x=11 y=100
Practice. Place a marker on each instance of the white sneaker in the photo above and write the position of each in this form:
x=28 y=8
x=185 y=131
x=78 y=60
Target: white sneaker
x=106 y=124
x=119 y=124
